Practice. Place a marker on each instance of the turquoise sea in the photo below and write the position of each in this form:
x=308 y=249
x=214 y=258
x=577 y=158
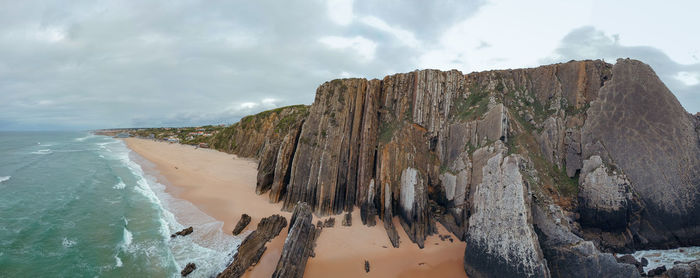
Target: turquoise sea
x=73 y=204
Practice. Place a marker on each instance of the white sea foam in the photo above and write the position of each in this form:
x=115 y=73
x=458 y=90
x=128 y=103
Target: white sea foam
x=5 y=178
x=208 y=245
x=44 y=151
x=658 y=258
x=120 y=184
x=127 y=239
x=119 y=261
x=68 y=243
x=81 y=139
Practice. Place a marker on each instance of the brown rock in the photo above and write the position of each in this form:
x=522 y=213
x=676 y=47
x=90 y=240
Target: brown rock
x=184 y=232
x=657 y=271
x=242 y=223
x=347 y=219
x=188 y=269
x=299 y=244
x=329 y=223
x=253 y=246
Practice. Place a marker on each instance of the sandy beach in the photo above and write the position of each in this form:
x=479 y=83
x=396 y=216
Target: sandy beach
x=223 y=186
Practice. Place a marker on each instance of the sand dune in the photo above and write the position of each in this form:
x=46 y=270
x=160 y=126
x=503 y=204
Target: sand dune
x=223 y=186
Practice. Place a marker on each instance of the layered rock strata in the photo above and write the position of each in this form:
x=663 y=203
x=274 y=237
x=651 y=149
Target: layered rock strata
x=253 y=246
x=299 y=243
x=242 y=223
x=501 y=240
x=607 y=145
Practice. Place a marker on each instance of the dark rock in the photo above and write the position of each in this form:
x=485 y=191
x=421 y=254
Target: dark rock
x=299 y=244
x=570 y=256
x=253 y=246
x=628 y=259
x=329 y=223
x=184 y=232
x=657 y=271
x=644 y=261
x=634 y=116
x=347 y=220
x=366 y=266
x=685 y=270
x=188 y=269
x=242 y=223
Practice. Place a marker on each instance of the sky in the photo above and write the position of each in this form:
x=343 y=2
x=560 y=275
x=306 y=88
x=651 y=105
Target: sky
x=107 y=64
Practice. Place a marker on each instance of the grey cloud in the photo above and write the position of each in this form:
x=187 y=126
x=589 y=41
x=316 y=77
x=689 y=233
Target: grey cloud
x=97 y=64
x=590 y=43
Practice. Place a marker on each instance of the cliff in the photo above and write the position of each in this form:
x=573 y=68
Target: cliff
x=537 y=169
x=260 y=136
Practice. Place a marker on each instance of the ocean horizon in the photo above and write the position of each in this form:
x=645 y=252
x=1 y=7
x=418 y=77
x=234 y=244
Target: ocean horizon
x=74 y=204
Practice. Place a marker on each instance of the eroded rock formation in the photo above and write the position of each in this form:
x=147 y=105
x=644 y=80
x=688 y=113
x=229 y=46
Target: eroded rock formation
x=242 y=223
x=591 y=157
x=299 y=244
x=253 y=246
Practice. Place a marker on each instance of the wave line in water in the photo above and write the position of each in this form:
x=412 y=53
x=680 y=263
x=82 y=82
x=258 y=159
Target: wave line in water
x=120 y=184
x=5 y=178
x=44 y=151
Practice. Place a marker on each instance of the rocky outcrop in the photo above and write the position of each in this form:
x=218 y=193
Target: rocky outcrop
x=253 y=246
x=629 y=259
x=299 y=243
x=606 y=146
x=605 y=197
x=251 y=134
x=684 y=270
x=347 y=219
x=183 y=232
x=242 y=223
x=501 y=240
x=263 y=136
x=567 y=254
x=637 y=126
x=188 y=269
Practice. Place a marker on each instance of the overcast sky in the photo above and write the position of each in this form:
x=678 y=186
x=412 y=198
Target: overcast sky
x=101 y=64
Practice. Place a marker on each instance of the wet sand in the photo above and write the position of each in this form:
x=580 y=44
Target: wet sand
x=223 y=186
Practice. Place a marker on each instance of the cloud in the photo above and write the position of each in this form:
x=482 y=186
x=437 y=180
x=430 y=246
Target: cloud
x=340 y=11
x=100 y=64
x=591 y=43
x=404 y=36
x=362 y=47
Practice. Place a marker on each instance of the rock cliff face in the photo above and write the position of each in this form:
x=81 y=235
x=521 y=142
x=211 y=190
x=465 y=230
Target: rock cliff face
x=500 y=225
x=522 y=152
x=263 y=136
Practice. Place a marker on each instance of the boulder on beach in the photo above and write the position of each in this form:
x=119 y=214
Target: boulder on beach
x=347 y=219
x=184 y=232
x=253 y=246
x=188 y=269
x=242 y=223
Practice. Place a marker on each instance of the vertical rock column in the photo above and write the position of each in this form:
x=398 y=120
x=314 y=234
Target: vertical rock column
x=501 y=240
x=299 y=243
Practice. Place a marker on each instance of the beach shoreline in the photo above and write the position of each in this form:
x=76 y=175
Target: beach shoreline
x=222 y=186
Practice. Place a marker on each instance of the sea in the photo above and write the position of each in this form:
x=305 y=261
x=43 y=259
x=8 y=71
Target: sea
x=75 y=204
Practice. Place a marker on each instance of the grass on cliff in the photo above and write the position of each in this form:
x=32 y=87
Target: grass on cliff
x=386 y=131
x=473 y=106
x=552 y=179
